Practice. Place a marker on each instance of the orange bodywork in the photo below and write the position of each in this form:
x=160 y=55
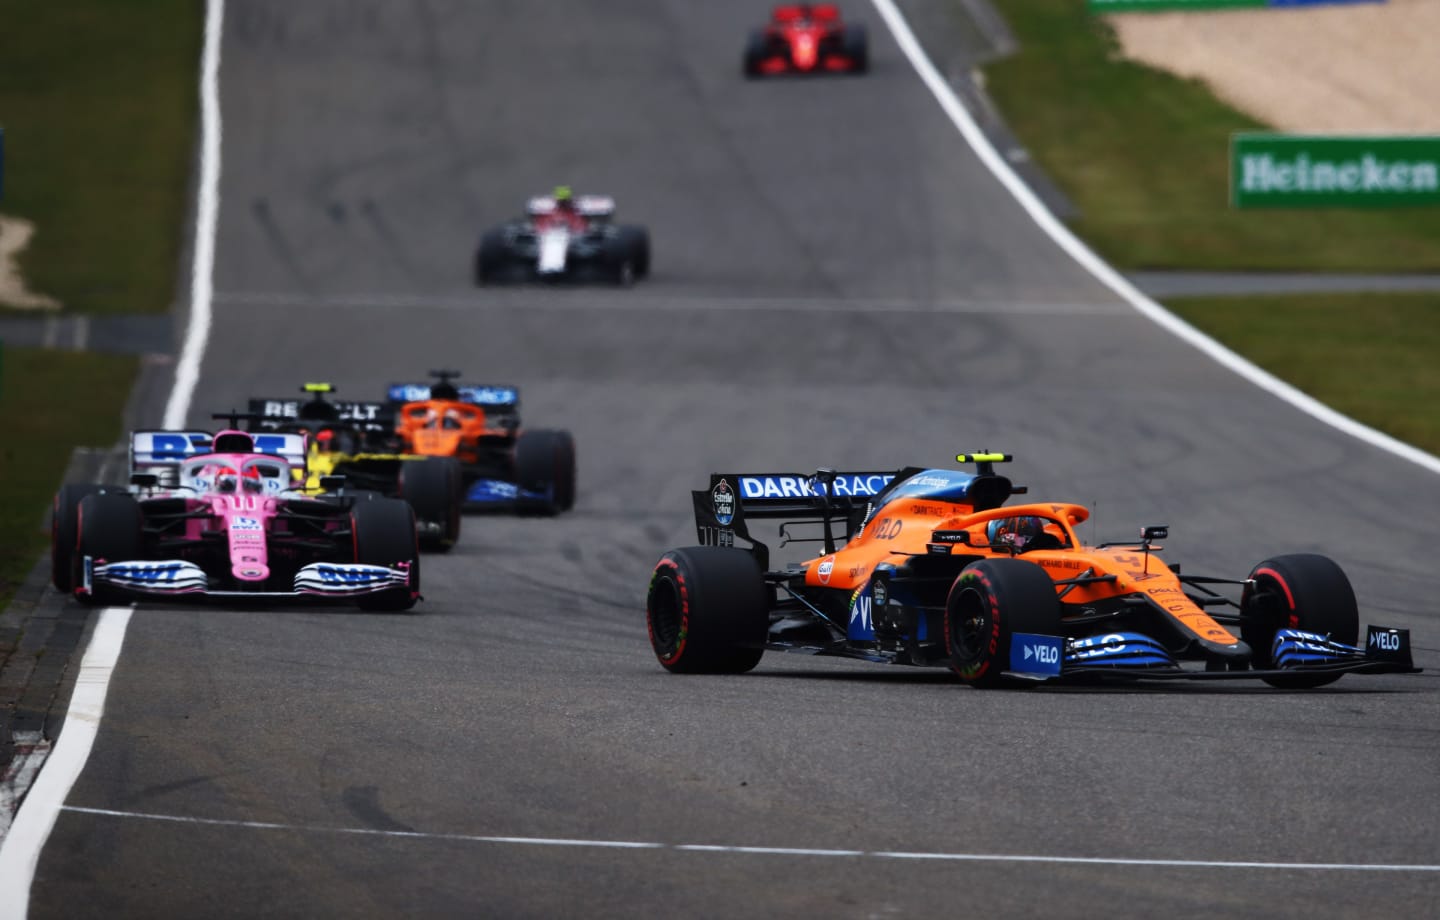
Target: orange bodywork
x=906 y=527
x=443 y=428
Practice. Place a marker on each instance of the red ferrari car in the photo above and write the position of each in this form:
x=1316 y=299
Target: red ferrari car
x=806 y=38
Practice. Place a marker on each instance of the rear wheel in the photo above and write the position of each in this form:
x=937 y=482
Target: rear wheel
x=755 y=53
x=545 y=462
x=491 y=258
x=384 y=534
x=857 y=48
x=1299 y=591
x=110 y=528
x=707 y=611
x=65 y=531
x=989 y=603
x=636 y=240
x=432 y=487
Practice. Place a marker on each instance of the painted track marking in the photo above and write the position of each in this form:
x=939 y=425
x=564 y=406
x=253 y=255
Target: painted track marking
x=759 y=850
x=21 y=846
x=20 y=851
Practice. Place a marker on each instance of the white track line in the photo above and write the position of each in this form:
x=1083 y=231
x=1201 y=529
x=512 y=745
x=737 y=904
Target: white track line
x=1113 y=279
x=20 y=851
x=207 y=215
x=761 y=851
x=21 y=846
x=591 y=301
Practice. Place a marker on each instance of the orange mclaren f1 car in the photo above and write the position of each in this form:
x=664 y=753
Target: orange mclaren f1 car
x=935 y=570
x=503 y=465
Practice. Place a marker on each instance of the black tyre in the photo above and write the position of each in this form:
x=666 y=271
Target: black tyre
x=110 y=528
x=755 y=49
x=1300 y=591
x=432 y=487
x=384 y=534
x=65 y=532
x=492 y=257
x=857 y=47
x=637 y=241
x=620 y=264
x=707 y=611
x=545 y=461
x=990 y=602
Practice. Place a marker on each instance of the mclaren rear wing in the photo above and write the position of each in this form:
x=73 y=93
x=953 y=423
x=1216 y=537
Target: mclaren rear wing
x=826 y=498
x=486 y=395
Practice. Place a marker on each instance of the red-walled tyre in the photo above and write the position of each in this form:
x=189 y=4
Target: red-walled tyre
x=707 y=611
x=989 y=603
x=1299 y=591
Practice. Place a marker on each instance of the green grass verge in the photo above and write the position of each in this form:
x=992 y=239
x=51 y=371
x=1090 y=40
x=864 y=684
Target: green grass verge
x=1144 y=156
x=49 y=402
x=98 y=103
x=1372 y=357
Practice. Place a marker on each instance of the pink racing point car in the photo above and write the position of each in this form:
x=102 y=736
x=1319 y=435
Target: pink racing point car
x=226 y=516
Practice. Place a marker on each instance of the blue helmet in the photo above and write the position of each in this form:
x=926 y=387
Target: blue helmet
x=1018 y=532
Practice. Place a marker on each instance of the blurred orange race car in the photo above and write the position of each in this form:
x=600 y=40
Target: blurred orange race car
x=504 y=466
x=934 y=570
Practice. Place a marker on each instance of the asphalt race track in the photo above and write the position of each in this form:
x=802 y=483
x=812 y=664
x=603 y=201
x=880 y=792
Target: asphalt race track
x=837 y=281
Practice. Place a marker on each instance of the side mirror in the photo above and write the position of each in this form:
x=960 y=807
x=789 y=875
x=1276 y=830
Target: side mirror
x=1155 y=532
x=144 y=480
x=331 y=483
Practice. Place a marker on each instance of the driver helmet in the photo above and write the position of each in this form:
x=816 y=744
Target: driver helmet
x=222 y=477
x=564 y=198
x=1017 y=532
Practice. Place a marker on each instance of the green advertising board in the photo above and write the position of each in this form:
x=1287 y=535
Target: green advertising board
x=1150 y=6
x=1320 y=171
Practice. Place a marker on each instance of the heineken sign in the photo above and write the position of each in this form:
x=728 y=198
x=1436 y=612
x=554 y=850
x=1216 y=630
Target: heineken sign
x=1317 y=171
x=1147 y=6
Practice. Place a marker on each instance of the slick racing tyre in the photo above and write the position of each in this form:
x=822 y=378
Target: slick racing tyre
x=707 y=611
x=492 y=258
x=857 y=48
x=432 y=486
x=637 y=241
x=990 y=602
x=755 y=52
x=110 y=527
x=545 y=462
x=1300 y=591
x=64 y=531
x=384 y=533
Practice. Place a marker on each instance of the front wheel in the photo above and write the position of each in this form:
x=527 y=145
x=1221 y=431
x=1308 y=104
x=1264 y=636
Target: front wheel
x=384 y=533
x=545 y=462
x=1298 y=591
x=65 y=532
x=110 y=527
x=707 y=611
x=432 y=486
x=989 y=603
